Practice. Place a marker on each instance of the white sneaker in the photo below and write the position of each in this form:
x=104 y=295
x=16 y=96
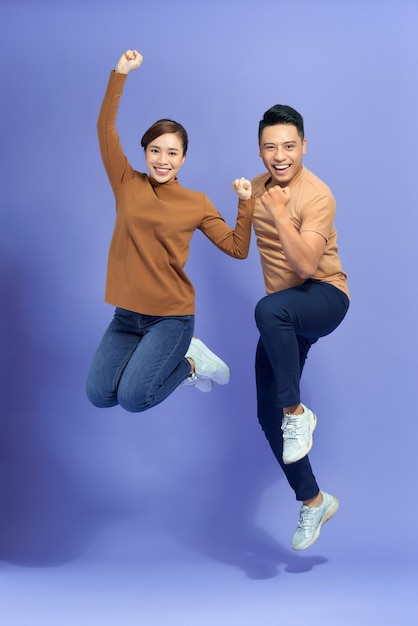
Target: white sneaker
x=207 y=365
x=297 y=435
x=203 y=384
x=311 y=520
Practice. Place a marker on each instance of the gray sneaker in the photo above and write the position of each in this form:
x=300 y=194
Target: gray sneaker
x=203 y=384
x=311 y=520
x=208 y=366
x=297 y=435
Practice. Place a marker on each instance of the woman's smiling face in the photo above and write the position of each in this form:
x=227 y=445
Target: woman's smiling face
x=164 y=157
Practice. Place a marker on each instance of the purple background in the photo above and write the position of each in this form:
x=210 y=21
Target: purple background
x=180 y=516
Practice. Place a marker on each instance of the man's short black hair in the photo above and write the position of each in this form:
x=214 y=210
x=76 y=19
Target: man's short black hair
x=281 y=114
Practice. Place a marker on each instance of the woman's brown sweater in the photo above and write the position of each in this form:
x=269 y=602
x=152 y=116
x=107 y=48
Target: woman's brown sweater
x=154 y=225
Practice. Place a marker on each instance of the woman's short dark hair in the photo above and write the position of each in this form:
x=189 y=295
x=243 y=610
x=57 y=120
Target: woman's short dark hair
x=281 y=114
x=161 y=127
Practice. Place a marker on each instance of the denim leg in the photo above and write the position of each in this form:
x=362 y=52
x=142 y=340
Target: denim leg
x=140 y=360
x=299 y=475
x=112 y=355
x=158 y=365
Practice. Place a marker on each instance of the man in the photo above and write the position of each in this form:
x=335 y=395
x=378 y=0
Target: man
x=307 y=298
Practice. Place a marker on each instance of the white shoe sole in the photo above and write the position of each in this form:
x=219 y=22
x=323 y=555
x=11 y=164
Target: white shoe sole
x=220 y=371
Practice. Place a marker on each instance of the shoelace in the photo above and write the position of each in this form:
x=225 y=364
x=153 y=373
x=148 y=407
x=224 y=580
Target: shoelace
x=306 y=518
x=291 y=426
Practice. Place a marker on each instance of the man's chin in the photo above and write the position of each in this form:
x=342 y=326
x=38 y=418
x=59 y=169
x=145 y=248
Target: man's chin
x=281 y=182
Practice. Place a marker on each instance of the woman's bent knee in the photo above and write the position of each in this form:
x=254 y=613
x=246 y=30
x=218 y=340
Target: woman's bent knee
x=135 y=408
x=99 y=400
x=134 y=402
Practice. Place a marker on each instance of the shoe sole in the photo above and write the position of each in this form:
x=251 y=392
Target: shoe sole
x=221 y=377
x=223 y=374
x=204 y=385
x=331 y=512
x=309 y=446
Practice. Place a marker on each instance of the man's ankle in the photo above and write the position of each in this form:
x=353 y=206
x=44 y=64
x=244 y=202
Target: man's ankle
x=296 y=409
x=315 y=501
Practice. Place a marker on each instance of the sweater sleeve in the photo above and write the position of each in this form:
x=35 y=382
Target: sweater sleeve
x=115 y=162
x=235 y=242
x=319 y=215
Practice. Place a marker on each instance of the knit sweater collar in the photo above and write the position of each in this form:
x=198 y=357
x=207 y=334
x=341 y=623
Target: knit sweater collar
x=155 y=183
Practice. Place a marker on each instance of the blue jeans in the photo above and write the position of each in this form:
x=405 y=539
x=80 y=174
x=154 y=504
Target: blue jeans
x=140 y=360
x=290 y=322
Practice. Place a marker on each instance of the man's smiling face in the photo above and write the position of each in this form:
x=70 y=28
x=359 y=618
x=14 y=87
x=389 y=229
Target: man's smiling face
x=282 y=150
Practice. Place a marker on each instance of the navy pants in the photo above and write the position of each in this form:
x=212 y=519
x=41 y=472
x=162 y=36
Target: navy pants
x=289 y=322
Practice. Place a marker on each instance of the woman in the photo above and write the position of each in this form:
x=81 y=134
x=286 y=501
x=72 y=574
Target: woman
x=148 y=349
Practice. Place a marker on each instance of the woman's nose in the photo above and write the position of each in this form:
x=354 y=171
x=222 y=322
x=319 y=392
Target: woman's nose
x=162 y=157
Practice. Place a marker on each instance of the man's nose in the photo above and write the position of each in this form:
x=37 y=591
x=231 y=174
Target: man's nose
x=279 y=154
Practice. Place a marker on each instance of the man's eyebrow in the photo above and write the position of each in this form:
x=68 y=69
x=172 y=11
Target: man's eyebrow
x=283 y=143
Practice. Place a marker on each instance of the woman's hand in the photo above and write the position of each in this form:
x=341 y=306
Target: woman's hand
x=242 y=188
x=130 y=60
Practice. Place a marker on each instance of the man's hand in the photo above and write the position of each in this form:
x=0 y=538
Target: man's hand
x=242 y=188
x=130 y=60
x=275 y=199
